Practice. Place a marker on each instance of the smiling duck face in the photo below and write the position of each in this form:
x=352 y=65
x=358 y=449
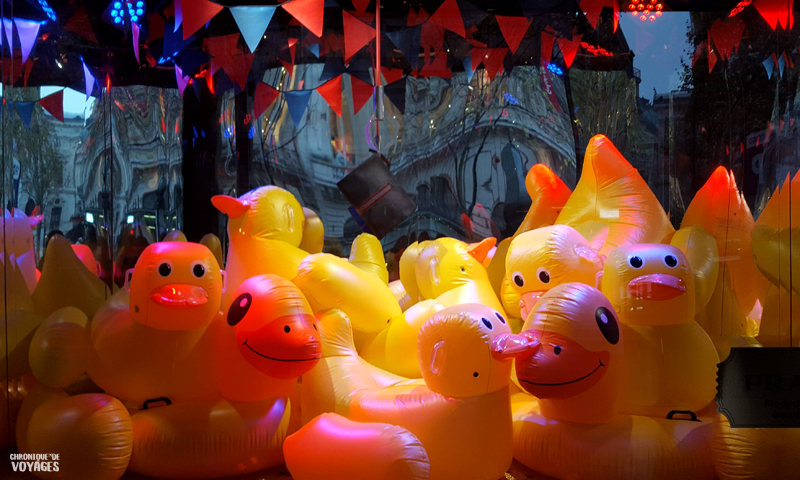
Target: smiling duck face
x=650 y=284
x=175 y=286
x=575 y=371
x=275 y=328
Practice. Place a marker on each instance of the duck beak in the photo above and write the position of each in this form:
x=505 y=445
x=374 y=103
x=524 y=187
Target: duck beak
x=656 y=286
x=509 y=345
x=527 y=300
x=180 y=296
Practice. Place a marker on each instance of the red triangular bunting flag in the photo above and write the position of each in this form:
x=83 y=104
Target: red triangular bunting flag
x=547 y=46
x=698 y=51
x=712 y=57
x=569 y=47
x=513 y=29
x=288 y=66
x=492 y=59
x=331 y=91
x=356 y=35
x=448 y=16
x=776 y=12
x=437 y=67
x=264 y=97
x=196 y=14
x=80 y=24
x=362 y=91
x=593 y=8
x=308 y=12
x=239 y=68
x=222 y=49
x=361 y=5
x=155 y=29
x=726 y=36
x=415 y=18
x=391 y=75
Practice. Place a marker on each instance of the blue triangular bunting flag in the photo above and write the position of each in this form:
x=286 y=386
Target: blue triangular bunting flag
x=408 y=42
x=25 y=110
x=314 y=48
x=297 y=101
x=467 y=62
x=252 y=22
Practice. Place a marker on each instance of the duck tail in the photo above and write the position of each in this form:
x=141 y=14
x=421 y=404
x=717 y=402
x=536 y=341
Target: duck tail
x=333 y=447
x=367 y=254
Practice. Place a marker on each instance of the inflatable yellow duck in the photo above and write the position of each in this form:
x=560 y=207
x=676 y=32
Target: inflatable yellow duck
x=459 y=413
x=776 y=245
x=573 y=430
x=82 y=288
x=213 y=243
x=408 y=272
x=670 y=361
x=265 y=231
x=540 y=259
x=612 y=205
x=17 y=242
x=722 y=211
x=366 y=253
x=385 y=335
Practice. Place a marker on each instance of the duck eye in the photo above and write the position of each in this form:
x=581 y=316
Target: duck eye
x=607 y=323
x=500 y=317
x=635 y=261
x=315 y=326
x=543 y=274
x=165 y=269
x=239 y=308
x=487 y=323
x=287 y=329
x=557 y=350
x=198 y=269
x=463 y=269
x=671 y=261
x=475 y=374
x=519 y=280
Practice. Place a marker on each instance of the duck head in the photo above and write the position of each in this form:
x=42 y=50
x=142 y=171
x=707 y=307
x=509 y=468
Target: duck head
x=541 y=259
x=447 y=263
x=650 y=284
x=275 y=328
x=467 y=350
x=267 y=212
x=175 y=286
x=575 y=371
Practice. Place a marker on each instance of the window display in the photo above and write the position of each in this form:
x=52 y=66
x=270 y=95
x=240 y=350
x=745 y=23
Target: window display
x=442 y=239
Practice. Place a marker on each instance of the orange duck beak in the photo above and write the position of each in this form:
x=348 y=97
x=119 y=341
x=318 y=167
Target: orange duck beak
x=656 y=286
x=180 y=296
x=507 y=346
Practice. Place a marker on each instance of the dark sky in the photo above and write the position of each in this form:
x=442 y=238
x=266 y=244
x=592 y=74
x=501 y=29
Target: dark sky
x=658 y=47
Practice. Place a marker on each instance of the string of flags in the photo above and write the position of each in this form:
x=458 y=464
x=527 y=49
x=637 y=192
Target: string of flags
x=53 y=104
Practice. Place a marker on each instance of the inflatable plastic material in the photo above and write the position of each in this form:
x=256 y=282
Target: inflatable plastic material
x=700 y=249
x=59 y=349
x=269 y=339
x=408 y=272
x=754 y=453
x=394 y=453
x=460 y=413
x=175 y=236
x=86 y=257
x=150 y=343
x=540 y=259
x=722 y=211
x=573 y=429
x=209 y=438
x=91 y=433
x=400 y=294
x=313 y=232
x=777 y=327
x=81 y=289
x=265 y=229
x=213 y=243
x=17 y=240
x=367 y=254
x=14 y=393
x=548 y=195
x=670 y=361
x=612 y=205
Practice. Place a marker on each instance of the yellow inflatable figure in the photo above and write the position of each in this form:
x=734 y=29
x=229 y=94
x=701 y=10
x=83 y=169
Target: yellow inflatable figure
x=459 y=413
x=548 y=195
x=82 y=289
x=451 y=272
x=386 y=336
x=313 y=232
x=16 y=239
x=366 y=253
x=265 y=230
x=573 y=429
x=408 y=270
x=540 y=259
x=700 y=249
x=779 y=327
x=721 y=210
x=612 y=205
x=754 y=453
x=213 y=243
x=86 y=257
x=175 y=236
x=670 y=361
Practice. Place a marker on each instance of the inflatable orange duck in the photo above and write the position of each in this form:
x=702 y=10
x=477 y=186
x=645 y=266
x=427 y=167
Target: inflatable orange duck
x=266 y=227
x=612 y=205
x=574 y=430
x=459 y=412
x=670 y=361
